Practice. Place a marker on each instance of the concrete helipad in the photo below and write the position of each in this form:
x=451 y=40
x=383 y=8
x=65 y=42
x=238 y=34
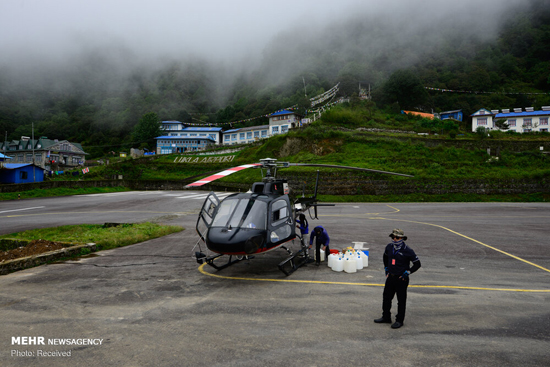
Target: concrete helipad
x=480 y=299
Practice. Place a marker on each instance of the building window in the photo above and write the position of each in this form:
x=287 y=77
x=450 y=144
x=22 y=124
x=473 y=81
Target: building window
x=544 y=120
x=526 y=130
x=226 y=137
x=234 y=137
x=23 y=175
x=256 y=134
x=212 y=136
x=275 y=129
x=512 y=122
x=284 y=129
x=241 y=136
x=527 y=122
x=482 y=122
x=249 y=135
x=482 y=112
x=543 y=130
x=264 y=133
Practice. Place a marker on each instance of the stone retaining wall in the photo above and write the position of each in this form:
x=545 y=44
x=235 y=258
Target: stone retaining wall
x=329 y=185
x=35 y=260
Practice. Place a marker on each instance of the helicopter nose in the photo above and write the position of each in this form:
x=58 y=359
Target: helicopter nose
x=253 y=244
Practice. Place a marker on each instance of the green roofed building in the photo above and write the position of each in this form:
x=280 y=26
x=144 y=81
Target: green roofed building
x=45 y=153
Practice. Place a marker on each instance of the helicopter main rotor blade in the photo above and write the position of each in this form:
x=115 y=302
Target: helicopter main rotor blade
x=221 y=174
x=347 y=167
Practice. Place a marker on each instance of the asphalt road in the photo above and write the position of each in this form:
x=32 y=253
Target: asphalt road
x=481 y=297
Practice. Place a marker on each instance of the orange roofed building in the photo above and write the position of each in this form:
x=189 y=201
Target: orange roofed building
x=421 y=114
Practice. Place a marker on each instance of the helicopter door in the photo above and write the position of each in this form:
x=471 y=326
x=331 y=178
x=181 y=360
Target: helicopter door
x=206 y=215
x=282 y=223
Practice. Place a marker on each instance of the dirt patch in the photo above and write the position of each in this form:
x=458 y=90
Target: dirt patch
x=326 y=146
x=34 y=247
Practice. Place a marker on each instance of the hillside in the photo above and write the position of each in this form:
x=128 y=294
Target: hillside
x=99 y=99
x=446 y=166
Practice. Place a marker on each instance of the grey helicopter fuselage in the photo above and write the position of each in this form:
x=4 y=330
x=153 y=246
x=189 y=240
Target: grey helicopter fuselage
x=254 y=222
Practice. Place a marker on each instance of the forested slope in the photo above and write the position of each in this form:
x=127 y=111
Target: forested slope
x=100 y=97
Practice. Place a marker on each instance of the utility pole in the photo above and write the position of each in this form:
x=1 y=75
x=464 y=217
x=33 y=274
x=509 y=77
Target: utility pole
x=33 y=166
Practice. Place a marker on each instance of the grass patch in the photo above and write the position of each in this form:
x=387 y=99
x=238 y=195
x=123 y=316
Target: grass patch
x=105 y=237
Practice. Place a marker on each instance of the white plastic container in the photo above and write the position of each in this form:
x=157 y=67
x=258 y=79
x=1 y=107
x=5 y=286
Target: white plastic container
x=365 y=258
x=322 y=255
x=350 y=265
x=338 y=264
x=331 y=259
x=359 y=261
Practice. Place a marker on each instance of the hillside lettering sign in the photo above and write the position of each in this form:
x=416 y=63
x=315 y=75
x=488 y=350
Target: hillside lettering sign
x=198 y=160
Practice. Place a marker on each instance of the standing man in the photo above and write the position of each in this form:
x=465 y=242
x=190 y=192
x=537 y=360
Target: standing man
x=397 y=258
x=303 y=226
x=322 y=239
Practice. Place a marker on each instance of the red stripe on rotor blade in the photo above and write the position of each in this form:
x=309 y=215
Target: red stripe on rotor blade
x=227 y=172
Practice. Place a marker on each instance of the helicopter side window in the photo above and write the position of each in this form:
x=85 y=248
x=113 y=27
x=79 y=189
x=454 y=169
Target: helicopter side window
x=256 y=217
x=279 y=211
x=224 y=212
x=238 y=215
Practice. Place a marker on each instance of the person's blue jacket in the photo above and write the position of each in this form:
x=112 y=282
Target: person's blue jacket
x=322 y=237
x=304 y=227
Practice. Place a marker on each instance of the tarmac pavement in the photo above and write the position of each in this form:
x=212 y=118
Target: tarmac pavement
x=479 y=299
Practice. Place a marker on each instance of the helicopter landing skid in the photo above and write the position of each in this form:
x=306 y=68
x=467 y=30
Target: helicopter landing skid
x=295 y=260
x=202 y=258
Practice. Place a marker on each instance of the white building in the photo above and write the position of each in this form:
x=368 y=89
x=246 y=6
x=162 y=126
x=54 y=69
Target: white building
x=179 y=139
x=245 y=135
x=518 y=120
x=279 y=123
x=282 y=121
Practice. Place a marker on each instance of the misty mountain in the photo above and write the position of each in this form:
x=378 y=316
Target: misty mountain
x=97 y=96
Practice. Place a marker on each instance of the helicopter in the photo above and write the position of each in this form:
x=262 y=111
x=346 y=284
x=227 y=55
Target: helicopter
x=259 y=221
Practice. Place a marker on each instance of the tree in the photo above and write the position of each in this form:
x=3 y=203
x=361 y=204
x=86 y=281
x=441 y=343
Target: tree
x=147 y=130
x=501 y=124
x=405 y=87
x=481 y=132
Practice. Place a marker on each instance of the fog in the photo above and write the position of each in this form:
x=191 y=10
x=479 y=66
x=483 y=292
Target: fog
x=60 y=29
x=38 y=36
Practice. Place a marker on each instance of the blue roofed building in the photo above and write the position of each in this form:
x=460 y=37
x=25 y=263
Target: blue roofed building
x=179 y=138
x=245 y=135
x=16 y=173
x=455 y=115
x=282 y=121
x=518 y=120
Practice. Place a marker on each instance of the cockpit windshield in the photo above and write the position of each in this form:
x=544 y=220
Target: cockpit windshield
x=241 y=213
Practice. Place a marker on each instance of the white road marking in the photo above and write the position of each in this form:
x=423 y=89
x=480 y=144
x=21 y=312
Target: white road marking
x=17 y=210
